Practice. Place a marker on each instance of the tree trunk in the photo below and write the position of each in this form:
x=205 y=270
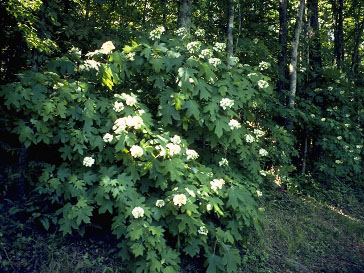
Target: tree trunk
x=294 y=53
x=239 y=26
x=315 y=60
x=282 y=57
x=229 y=28
x=355 y=57
x=184 y=14
x=339 y=32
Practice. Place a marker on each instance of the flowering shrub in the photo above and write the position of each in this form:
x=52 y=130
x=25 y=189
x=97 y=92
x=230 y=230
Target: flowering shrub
x=157 y=137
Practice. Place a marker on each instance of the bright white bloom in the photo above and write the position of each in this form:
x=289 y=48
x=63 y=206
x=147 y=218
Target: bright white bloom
x=173 y=149
x=209 y=207
x=220 y=47
x=129 y=100
x=203 y=230
x=107 y=47
x=193 y=47
x=191 y=154
x=330 y=88
x=190 y=192
x=264 y=65
x=179 y=200
x=338 y=162
x=258 y=133
x=88 y=161
x=357 y=158
x=263 y=152
x=200 y=32
x=138 y=212
x=118 y=106
x=108 y=138
x=215 y=62
x=263 y=84
x=210 y=174
x=263 y=173
x=163 y=151
x=323 y=119
x=91 y=64
x=259 y=193
x=359 y=146
x=252 y=74
x=249 y=138
x=226 y=102
x=181 y=32
x=156 y=33
x=205 y=53
x=223 y=162
x=176 y=139
x=160 y=203
x=217 y=184
x=136 y=151
x=130 y=56
x=234 y=124
x=339 y=137
x=119 y=125
x=134 y=121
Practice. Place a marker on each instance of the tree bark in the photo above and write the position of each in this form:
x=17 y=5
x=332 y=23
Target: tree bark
x=282 y=57
x=355 y=60
x=229 y=28
x=315 y=59
x=184 y=14
x=339 y=32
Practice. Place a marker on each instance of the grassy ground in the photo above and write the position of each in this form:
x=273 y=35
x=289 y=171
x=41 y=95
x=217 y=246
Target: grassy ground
x=301 y=234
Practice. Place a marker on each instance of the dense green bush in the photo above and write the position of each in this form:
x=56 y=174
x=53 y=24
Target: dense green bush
x=164 y=136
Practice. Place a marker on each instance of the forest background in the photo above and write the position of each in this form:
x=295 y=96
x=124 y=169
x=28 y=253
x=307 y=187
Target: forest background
x=177 y=129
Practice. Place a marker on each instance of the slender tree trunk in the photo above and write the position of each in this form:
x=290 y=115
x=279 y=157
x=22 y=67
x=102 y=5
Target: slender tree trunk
x=339 y=31
x=239 y=26
x=282 y=57
x=87 y=9
x=184 y=14
x=229 y=28
x=294 y=53
x=315 y=60
x=355 y=60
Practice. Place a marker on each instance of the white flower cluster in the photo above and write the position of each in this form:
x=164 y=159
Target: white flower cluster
x=162 y=150
x=264 y=65
x=91 y=64
x=203 y=230
x=226 y=102
x=108 y=138
x=179 y=200
x=205 y=53
x=130 y=56
x=330 y=88
x=249 y=138
x=118 y=106
x=156 y=33
x=338 y=161
x=217 y=184
x=88 y=161
x=258 y=133
x=223 y=162
x=339 y=137
x=220 y=47
x=215 y=62
x=130 y=100
x=160 y=203
x=176 y=139
x=357 y=158
x=200 y=32
x=263 y=152
x=263 y=84
x=136 y=151
x=193 y=47
x=173 y=149
x=234 y=124
x=259 y=193
x=138 y=212
x=208 y=207
x=121 y=124
x=190 y=192
x=252 y=74
x=107 y=47
x=191 y=154
x=182 y=31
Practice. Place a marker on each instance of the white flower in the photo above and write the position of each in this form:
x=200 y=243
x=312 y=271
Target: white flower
x=156 y=33
x=181 y=32
x=330 y=88
x=193 y=47
x=176 y=139
x=191 y=154
x=129 y=100
x=217 y=184
x=259 y=193
x=88 y=161
x=357 y=158
x=338 y=162
x=359 y=146
x=134 y=121
x=136 y=151
x=220 y=47
x=215 y=62
x=226 y=102
x=323 y=119
x=119 y=125
x=223 y=162
x=173 y=149
x=264 y=65
x=163 y=151
x=258 y=133
x=130 y=56
x=108 y=138
x=107 y=47
x=339 y=137
x=263 y=173
x=190 y=192
x=118 y=106
x=179 y=200
x=203 y=230
x=263 y=84
x=200 y=32
x=208 y=207
x=263 y=152
x=91 y=64
x=138 y=212
x=160 y=203
x=205 y=53
x=249 y=138
x=252 y=74
x=234 y=124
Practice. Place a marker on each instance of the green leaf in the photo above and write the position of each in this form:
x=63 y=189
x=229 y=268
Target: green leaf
x=167 y=113
x=137 y=249
x=192 y=109
x=231 y=259
x=214 y=263
x=157 y=64
x=220 y=125
x=174 y=167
